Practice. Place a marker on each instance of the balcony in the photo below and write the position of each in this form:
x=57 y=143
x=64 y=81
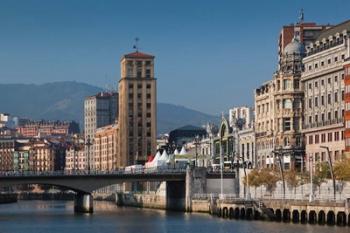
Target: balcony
x=323 y=123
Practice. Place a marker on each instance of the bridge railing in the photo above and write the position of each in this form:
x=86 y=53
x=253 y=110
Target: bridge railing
x=92 y=172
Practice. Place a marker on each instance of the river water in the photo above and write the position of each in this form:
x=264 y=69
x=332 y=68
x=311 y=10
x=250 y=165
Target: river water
x=58 y=216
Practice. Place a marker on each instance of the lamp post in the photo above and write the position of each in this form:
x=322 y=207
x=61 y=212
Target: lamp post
x=196 y=143
x=279 y=154
x=311 y=196
x=88 y=144
x=331 y=169
x=221 y=171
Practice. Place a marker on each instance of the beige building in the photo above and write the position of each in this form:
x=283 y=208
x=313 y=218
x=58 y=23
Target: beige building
x=323 y=82
x=264 y=121
x=99 y=110
x=42 y=156
x=137 y=109
x=106 y=142
x=75 y=158
x=278 y=105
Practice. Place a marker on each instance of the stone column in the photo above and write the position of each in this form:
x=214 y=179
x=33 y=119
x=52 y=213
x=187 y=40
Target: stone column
x=83 y=203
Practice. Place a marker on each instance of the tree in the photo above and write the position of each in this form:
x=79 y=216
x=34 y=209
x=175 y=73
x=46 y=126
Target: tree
x=342 y=170
x=322 y=172
x=292 y=179
x=268 y=177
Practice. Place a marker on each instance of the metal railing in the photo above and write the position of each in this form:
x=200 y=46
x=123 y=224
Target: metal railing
x=93 y=172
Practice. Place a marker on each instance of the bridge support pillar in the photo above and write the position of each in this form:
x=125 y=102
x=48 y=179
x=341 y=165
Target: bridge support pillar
x=188 y=189
x=83 y=203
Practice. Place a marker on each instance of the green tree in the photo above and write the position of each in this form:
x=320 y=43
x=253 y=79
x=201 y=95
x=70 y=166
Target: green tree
x=342 y=170
x=292 y=179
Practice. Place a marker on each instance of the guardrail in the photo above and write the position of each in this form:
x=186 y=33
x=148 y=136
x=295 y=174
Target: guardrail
x=92 y=172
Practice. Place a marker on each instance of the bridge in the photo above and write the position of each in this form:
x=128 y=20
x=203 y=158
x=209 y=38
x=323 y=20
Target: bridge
x=83 y=183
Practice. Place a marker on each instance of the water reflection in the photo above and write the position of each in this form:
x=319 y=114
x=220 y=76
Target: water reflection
x=58 y=216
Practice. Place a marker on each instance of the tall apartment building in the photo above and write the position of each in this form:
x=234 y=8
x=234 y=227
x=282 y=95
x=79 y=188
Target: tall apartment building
x=323 y=81
x=99 y=110
x=137 y=109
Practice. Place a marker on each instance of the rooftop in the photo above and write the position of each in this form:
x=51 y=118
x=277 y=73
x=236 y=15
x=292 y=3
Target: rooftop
x=138 y=54
x=333 y=30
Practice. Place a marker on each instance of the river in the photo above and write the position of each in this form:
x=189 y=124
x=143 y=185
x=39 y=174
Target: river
x=58 y=216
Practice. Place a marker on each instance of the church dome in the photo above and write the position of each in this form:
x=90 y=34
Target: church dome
x=294 y=47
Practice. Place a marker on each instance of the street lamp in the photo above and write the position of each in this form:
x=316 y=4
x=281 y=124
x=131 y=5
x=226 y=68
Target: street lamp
x=88 y=144
x=331 y=169
x=279 y=155
x=311 y=196
x=196 y=143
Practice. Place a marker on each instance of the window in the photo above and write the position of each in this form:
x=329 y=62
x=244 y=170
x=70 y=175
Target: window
x=148 y=73
x=316 y=66
x=310 y=67
x=148 y=105
x=335 y=114
x=139 y=86
x=310 y=103
x=296 y=84
x=286 y=124
x=310 y=86
x=310 y=139
x=329 y=116
x=148 y=63
x=335 y=78
x=329 y=99
x=335 y=59
x=317 y=139
x=148 y=86
x=139 y=95
x=130 y=95
x=330 y=137
x=322 y=100
x=287 y=104
x=148 y=96
x=322 y=82
x=329 y=61
x=131 y=86
x=329 y=80
x=322 y=63
x=342 y=95
x=323 y=137
x=343 y=56
x=316 y=118
x=316 y=101
x=316 y=84
x=336 y=97
x=336 y=136
x=148 y=114
x=310 y=119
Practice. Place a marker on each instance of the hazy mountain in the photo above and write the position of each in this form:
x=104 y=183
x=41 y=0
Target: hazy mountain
x=65 y=101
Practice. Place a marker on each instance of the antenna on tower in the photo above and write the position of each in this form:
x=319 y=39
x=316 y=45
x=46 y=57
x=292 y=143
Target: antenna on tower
x=136 y=45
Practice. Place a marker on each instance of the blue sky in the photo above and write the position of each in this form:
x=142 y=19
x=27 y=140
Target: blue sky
x=210 y=55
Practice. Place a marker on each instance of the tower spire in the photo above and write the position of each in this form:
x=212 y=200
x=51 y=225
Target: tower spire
x=136 y=45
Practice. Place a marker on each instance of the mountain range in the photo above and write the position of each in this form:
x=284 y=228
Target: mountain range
x=65 y=101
